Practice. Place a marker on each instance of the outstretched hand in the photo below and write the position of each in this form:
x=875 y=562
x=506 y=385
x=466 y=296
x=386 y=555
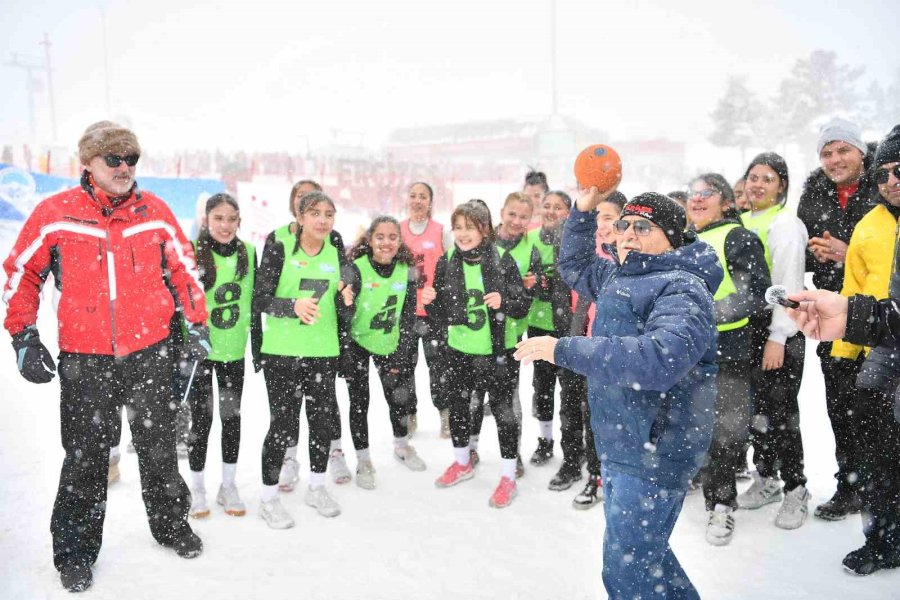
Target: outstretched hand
x=822 y=315
x=536 y=348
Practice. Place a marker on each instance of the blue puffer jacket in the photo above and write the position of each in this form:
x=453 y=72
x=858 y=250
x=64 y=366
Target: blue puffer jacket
x=651 y=363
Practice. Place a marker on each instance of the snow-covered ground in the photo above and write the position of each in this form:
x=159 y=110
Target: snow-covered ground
x=406 y=539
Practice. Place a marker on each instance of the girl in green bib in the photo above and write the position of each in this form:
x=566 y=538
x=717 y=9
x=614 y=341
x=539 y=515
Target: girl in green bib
x=550 y=314
x=477 y=293
x=300 y=291
x=227 y=268
x=383 y=281
x=511 y=238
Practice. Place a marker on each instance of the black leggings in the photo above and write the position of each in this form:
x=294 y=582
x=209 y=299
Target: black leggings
x=498 y=376
x=290 y=380
x=434 y=344
x=230 y=377
x=544 y=381
x=396 y=388
x=777 y=444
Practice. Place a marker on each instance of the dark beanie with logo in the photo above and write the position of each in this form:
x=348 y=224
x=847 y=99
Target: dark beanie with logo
x=888 y=149
x=662 y=211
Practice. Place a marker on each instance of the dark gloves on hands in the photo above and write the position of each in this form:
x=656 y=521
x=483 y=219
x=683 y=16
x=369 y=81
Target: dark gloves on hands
x=197 y=344
x=33 y=359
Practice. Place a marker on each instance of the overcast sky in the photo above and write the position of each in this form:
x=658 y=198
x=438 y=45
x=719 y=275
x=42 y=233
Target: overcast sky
x=262 y=74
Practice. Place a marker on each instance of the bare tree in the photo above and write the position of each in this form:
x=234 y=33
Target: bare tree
x=736 y=117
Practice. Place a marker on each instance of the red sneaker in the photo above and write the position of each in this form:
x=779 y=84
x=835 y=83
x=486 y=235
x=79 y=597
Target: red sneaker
x=504 y=494
x=454 y=474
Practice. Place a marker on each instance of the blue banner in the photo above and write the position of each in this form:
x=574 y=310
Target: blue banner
x=21 y=190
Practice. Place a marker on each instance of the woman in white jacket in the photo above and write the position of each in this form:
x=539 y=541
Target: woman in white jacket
x=778 y=349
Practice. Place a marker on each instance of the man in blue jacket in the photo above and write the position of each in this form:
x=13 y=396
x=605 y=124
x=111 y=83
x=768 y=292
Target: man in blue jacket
x=651 y=367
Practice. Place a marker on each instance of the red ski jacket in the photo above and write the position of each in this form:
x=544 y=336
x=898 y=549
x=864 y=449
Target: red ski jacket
x=122 y=271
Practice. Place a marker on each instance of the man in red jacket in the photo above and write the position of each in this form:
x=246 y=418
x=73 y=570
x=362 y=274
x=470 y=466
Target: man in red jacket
x=123 y=269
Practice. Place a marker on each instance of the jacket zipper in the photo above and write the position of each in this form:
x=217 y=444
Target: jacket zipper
x=111 y=277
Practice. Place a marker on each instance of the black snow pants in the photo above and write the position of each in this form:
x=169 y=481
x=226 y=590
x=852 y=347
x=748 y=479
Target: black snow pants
x=93 y=390
x=879 y=469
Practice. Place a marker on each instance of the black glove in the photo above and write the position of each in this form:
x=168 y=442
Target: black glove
x=34 y=360
x=196 y=344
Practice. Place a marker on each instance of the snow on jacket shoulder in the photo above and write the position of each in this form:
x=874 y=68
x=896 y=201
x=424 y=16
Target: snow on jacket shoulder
x=651 y=360
x=122 y=271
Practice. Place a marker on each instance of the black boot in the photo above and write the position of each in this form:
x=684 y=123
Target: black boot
x=188 y=545
x=568 y=474
x=76 y=577
x=591 y=495
x=862 y=561
x=840 y=505
x=543 y=453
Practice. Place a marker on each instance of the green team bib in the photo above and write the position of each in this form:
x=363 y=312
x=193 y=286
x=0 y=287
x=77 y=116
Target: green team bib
x=541 y=313
x=304 y=276
x=229 y=305
x=759 y=224
x=521 y=254
x=376 y=322
x=716 y=239
x=475 y=336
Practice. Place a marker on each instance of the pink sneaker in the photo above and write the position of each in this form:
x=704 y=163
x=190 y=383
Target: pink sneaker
x=504 y=494
x=454 y=474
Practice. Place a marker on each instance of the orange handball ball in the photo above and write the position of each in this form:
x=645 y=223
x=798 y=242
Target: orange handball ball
x=598 y=166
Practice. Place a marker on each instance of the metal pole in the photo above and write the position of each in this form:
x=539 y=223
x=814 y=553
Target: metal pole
x=29 y=64
x=46 y=45
x=553 y=54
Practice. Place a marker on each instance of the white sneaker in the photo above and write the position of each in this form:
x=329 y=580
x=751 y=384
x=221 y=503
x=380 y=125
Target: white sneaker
x=229 y=498
x=409 y=457
x=365 y=475
x=289 y=476
x=763 y=490
x=199 y=508
x=337 y=464
x=720 y=526
x=321 y=500
x=445 y=423
x=794 y=509
x=273 y=513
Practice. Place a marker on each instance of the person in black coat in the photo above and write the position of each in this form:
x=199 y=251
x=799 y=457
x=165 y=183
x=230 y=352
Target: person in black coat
x=835 y=197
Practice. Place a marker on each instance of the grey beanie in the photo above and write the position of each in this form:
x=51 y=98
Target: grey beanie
x=841 y=130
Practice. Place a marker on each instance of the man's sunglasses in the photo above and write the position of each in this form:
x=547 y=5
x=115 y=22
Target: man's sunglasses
x=881 y=176
x=113 y=161
x=641 y=226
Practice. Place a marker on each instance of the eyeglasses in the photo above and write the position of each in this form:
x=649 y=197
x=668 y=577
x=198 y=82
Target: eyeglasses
x=703 y=194
x=113 y=161
x=641 y=226
x=881 y=176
